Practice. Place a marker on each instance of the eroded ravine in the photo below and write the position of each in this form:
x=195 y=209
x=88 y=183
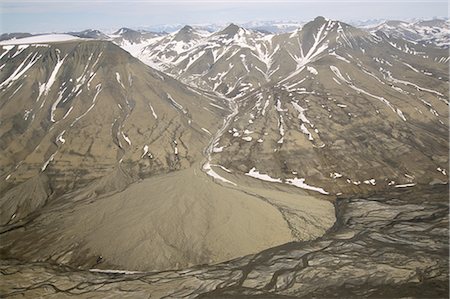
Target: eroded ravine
x=206 y=164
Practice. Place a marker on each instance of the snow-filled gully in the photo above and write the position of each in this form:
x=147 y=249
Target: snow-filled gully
x=206 y=167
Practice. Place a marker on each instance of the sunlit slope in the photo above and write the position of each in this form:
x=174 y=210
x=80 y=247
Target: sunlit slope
x=75 y=112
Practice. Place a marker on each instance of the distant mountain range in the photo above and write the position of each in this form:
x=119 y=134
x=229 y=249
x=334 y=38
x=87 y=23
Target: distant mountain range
x=418 y=28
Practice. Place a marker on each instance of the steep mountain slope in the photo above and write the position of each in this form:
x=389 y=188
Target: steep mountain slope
x=218 y=62
x=355 y=113
x=161 y=51
x=71 y=114
x=235 y=60
x=96 y=144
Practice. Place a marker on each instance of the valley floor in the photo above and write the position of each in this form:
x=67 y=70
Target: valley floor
x=386 y=245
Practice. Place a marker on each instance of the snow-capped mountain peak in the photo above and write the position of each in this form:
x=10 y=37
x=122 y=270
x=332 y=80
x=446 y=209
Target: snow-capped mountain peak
x=427 y=32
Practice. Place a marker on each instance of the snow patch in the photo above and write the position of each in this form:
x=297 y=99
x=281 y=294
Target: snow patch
x=218 y=149
x=405 y=185
x=48 y=162
x=45 y=38
x=306 y=132
x=127 y=139
x=335 y=175
x=60 y=137
x=209 y=171
x=400 y=113
x=300 y=183
x=153 y=111
x=261 y=176
x=118 y=80
x=442 y=170
x=176 y=104
x=301 y=112
x=206 y=131
x=312 y=70
x=370 y=182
